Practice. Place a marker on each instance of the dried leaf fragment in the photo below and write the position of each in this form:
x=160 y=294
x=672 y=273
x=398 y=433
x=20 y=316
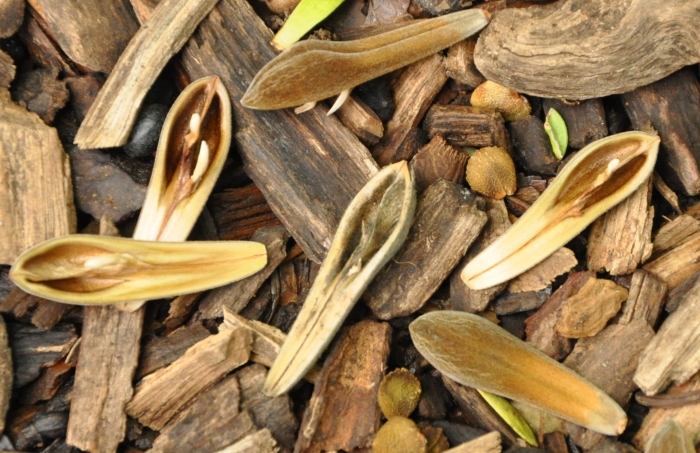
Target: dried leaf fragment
x=504 y=100
x=370 y=233
x=600 y=175
x=477 y=353
x=399 y=434
x=670 y=438
x=313 y=70
x=491 y=172
x=95 y=270
x=399 y=393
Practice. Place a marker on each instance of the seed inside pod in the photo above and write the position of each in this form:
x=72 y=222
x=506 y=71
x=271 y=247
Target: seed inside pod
x=399 y=434
x=399 y=393
x=491 y=171
x=506 y=101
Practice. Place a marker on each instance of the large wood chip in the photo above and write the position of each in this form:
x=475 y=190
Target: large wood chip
x=162 y=351
x=645 y=298
x=446 y=223
x=464 y=125
x=212 y=421
x=438 y=160
x=674 y=353
x=674 y=233
x=621 y=239
x=108 y=358
x=36 y=193
x=543 y=274
x=593 y=51
x=343 y=413
x=678 y=264
x=361 y=120
x=161 y=395
x=588 y=311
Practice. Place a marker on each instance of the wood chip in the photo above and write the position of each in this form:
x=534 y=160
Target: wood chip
x=18 y=303
x=460 y=64
x=31 y=209
x=588 y=311
x=11 y=16
x=540 y=276
x=48 y=313
x=438 y=160
x=7 y=70
x=688 y=415
x=645 y=298
x=159 y=352
x=164 y=393
x=48 y=384
x=91 y=33
x=508 y=303
x=446 y=223
x=462 y=297
x=108 y=358
x=621 y=239
x=531 y=146
x=541 y=327
x=5 y=374
x=488 y=443
x=673 y=353
x=463 y=125
x=361 y=120
x=238 y=213
x=585 y=121
x=678 y=264
x=109 y=121
x=343 y=413
x=414 y=91
x=259 y=442
x=210 y=422
x=235 y=296
x=674 y=233
x=671 y=107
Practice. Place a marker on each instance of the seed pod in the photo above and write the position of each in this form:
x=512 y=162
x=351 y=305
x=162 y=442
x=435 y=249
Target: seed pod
x=97 y=270
x=475 y=352
x=600 y=175
x=370 y=233
x=491 y=172
x=504 y=100
x=399 y=434
x=399 y=393
x=313 y=70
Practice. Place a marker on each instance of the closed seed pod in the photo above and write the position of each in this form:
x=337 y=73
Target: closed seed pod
x=491 y=172
x=399 y=434
x=506 y=101
x=399 y=393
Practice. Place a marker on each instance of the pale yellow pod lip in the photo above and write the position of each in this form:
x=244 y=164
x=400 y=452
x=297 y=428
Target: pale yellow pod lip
x=475 y=352
x=153 y=224
x=543 y=229
x=127 y=269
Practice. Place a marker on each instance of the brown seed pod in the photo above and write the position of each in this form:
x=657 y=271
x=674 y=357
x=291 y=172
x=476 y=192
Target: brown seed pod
x=399 y=434
x=491 y=171
x=506 y=101
x=399 y=393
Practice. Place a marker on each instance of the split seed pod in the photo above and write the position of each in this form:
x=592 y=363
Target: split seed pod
x=475 y=352
x=370 y=233
x=313 y=70
x=97 y=270
x=399 y=393
x=600 y=176
x=491 y=172
x=193 y=146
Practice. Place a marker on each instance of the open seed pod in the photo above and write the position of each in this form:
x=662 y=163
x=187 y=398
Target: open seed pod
x=95 y=270
x=600 y=176
x=372 y=230
x=313 y=70
x=193 y=146
x=475 y=352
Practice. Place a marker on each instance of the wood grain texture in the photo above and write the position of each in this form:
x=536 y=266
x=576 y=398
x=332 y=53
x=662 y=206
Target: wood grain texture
x=7 y=70
x=438 y=160
x=646 y=296
x=308 y=166
x=672 y=107
x=97 y=421
x=5 y=374
x=361 y=120
x=620 y=240
x=597 y=48
x=36 y=193
x=109 y=121
x=343 y=413
x=92 y=33
x=445 y=225
x=161 y=395
x=464 y=125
